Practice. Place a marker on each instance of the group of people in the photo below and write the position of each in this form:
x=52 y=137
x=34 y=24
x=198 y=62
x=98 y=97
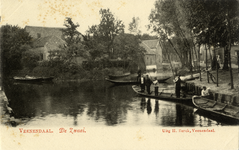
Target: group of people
x=145 y=81
x=204 y=92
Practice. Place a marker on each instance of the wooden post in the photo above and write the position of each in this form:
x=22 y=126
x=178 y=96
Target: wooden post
x=238 y=63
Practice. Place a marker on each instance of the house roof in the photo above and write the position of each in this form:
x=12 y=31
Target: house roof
x=149 y=46
x=41 y=42
x=44 y=31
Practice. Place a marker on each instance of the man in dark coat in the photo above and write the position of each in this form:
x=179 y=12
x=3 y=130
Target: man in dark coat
x=148 y=83
x=178 y=87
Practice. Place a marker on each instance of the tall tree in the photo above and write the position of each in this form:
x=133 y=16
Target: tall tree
x=219 y=21
x=12 y=44
x=74 y=41
x=168 y=21
x=107 y=30
x=127 y=47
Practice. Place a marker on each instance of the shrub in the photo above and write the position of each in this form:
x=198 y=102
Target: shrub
x=30 y=59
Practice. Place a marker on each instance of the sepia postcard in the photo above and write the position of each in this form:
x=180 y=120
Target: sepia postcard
x=119 y=74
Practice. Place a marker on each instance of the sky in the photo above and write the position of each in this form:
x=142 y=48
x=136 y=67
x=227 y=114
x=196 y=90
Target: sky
x=51 y=13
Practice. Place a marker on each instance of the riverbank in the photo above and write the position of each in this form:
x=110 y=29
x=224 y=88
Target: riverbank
x=224 y=82
x=223 y=91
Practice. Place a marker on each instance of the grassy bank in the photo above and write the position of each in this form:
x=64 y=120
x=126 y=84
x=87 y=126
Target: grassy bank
x=224 y=82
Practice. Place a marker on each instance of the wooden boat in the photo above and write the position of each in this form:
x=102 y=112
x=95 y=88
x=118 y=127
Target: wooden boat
x=217 y=109
x=163 y=80
x=132 y=82
x=113 y=77
x=33 y=79
x=189 y=77
x=163 y=95
x=28 y=79
x=121 y=81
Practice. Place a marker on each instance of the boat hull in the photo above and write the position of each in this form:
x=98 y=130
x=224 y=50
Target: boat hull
x=221 y=111
x=121 y=81
x=132 y=82
x=114 y=77
x=163 y=96
x=33 y=79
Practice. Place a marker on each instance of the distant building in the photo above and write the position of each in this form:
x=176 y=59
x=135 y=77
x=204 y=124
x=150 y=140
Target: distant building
x=47 y=40
x=153 y=55
x=39 y=32
x=219 y=52
x=46 y=45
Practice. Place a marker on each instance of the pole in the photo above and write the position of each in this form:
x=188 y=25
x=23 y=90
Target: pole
x=238 y=64
x=200 y=77
x=206 y=64
x=217 y=71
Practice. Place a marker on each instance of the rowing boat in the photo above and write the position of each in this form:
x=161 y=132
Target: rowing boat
x=121 y=81
x=224 y=111
x=132 y=82
x=169 y=96
x=113 y=77
x=33 y=79
x=28 y=79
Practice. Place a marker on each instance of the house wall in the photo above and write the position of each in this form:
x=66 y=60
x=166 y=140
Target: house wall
x=42 y=51
x=220 y=52
x=149 y=59
x=159 y=57
x=78 y=60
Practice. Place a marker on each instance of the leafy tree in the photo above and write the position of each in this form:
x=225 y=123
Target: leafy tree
x=134 y=26
x=148 y=37
x=107 y=30
x=126 y=47
x=74 y=41
x=30 y=59
x=13 y=39
x=216 y=23
x=166 y=19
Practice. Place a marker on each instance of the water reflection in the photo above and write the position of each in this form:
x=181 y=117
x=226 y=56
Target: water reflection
x=149 y=109
x=156 y=108
x=143 y=104
x=95 y=103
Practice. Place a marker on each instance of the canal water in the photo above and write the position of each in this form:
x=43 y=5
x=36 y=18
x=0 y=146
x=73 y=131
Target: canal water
x=96 y=104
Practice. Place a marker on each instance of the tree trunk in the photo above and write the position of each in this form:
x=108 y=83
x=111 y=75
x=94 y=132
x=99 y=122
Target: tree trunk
x=229 y=46
x=206 y=65
x=199 y=69
x=225 y=63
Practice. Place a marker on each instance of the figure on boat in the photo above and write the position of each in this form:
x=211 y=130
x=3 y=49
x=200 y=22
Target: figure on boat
x=142 y=83
x=148 y=83
x=156 y=86
x=178 y=86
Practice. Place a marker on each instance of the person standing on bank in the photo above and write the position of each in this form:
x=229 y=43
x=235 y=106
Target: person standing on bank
x=148 y=83
x=178 y=86
x=142 y=83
